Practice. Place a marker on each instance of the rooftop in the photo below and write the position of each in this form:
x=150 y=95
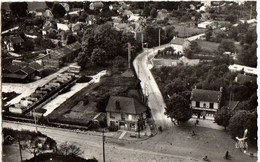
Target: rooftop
x=205 y=95
x=126 y=105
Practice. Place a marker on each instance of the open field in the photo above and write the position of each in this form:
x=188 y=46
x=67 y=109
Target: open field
x=206 y=45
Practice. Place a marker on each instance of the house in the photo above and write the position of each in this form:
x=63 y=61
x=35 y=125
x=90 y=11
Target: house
x=126 y=113
x=162 y=14
x=63 y=27
x=56 y=58
x=205 y=102
x=17 y=73
x=205 y=24
x=13 y=43
x=241 y=68
x=90 y=20
x=96 y=6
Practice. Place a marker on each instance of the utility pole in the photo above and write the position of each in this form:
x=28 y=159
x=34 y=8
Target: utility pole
x=20 y=150
x=159 y=36
x=142 y=35
x=129 y=55
x=35 y=122
x=103 y=139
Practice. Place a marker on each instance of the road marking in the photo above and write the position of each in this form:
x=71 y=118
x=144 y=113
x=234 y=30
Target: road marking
x=122 y=135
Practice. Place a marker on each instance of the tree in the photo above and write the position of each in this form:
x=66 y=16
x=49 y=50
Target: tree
x=146 y=11
x=177 y=107
x=70 y=39
x=28 y=45
x=243 y=120
x=208 y=33
x=49 y=4
x=58 y=10
x=193 y=48
x=222 y=116
x=69 y=149
x=19 y=9
x=98 y=56
x=153 y=13
x=227 y=45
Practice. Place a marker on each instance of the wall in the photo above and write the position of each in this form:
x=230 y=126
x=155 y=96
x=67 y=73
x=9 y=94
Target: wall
x=215 y=105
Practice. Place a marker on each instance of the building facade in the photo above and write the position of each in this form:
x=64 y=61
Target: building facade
x=126 y=113
x=205 y=102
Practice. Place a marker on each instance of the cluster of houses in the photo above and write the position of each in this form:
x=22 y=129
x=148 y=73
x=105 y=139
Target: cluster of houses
x=43 y=94
x=21 y=71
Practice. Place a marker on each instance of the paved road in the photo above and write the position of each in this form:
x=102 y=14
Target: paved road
x=92 y=145
x=150 y=87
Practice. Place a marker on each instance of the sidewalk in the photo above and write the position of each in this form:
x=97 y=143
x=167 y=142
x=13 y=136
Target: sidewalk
x=206 y=123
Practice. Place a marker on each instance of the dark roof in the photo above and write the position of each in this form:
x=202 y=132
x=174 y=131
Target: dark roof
x=178 y=41
x=205 y=95
x=17 y=39
x=35 y=66
x=242 y=79
x=15 y=76
x=21 y=64
x=127 y=105
x=74 y=46
x=28 y=70
x=40 y=110
x=11 y=68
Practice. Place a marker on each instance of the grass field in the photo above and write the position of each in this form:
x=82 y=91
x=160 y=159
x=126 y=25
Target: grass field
x=206 y=45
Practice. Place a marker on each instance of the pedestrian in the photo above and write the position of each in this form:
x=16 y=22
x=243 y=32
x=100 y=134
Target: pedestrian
x=197 y=122
x=206 y=158
x=193 y=133
x=227 y=155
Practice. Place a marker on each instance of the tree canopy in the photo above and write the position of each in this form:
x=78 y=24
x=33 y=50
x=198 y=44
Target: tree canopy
x=177 y=107
x=222 y=116
x=19 y=8
x=58 y=10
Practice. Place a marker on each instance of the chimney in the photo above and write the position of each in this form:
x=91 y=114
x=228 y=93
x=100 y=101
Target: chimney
x=118 y=105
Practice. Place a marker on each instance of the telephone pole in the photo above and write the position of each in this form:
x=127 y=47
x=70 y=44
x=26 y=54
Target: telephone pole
x=159 y=36
x=129 y=55
x=103 y=139
x=35 y=122
x=20 y=150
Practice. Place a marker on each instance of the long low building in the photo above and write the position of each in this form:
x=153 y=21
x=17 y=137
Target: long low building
x=245 y=69
x=56 y=58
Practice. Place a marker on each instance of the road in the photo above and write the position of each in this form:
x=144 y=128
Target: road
x=149 y=85
x=92 y=145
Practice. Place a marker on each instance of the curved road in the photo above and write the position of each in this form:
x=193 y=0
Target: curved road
x=149 y=85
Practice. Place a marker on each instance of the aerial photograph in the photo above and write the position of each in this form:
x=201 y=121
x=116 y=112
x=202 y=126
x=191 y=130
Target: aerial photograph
x=129 y=81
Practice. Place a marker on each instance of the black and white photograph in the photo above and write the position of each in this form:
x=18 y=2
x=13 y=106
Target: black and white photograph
x=129 y=81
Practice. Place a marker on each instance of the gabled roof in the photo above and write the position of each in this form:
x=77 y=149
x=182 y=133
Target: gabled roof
x=205 y=95
x=178 y=41
x=11 y=68
x=74 y=46
x=28 y=70
x=127 y=105
x=21 y=64
x=35 y=66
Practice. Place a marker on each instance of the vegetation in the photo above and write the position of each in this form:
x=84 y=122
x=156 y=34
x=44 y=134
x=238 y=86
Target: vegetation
x=57 y=157
x=177 y=107
x=32 y=142
x=19 y=9
x=69 y=149
x=244 y=120
x=222 y=116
